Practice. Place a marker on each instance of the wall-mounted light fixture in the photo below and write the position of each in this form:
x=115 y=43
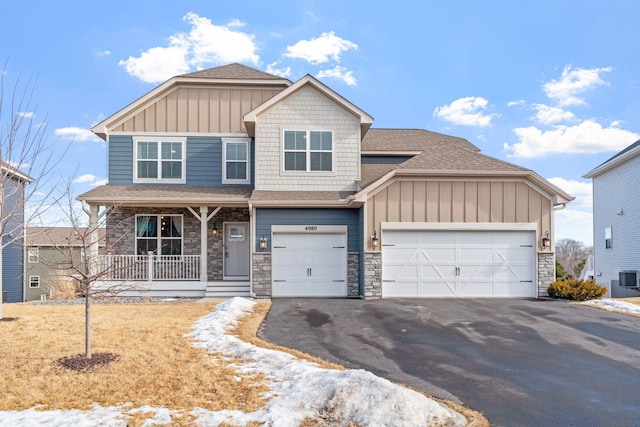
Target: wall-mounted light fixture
x=263 y=242
x=546 y=241
x=620 y=212
x=375 y=242
x=214 y=231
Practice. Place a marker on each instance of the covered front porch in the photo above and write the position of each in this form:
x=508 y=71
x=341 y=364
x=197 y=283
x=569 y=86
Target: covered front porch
x=167 y=247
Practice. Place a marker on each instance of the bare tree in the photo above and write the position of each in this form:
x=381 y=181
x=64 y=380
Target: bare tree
x=571 y=253
x=27 y=165
x=74 y=258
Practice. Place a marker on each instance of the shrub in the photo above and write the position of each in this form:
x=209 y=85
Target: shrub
x=63 y=288
x=576 y=290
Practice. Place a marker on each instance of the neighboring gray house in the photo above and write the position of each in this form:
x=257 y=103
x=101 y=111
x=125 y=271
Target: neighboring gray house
x=232 y=181
x=47 y=247
x=12 y=183
x=616 y=219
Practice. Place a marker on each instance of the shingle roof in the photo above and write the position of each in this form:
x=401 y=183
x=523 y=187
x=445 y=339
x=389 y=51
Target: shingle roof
x=304 y=197
x=121 y=194
x=60 y=236
x=410 y=140
x=437 y=152
x=613 y=161
x=233 y=71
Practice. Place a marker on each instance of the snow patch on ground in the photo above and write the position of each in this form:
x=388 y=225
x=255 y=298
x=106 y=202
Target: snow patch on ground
x=609 y=304
x=299 y=389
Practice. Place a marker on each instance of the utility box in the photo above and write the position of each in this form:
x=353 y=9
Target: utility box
x=629 y=279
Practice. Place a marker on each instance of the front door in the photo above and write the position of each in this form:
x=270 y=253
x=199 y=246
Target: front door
x=236 y=250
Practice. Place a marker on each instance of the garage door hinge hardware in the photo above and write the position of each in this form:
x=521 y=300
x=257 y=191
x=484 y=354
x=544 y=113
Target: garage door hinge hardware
x=526 y=281
x=387 y=245
x=338 y=247
x=339 y=281
x=279 y=247
x=526 y=246
x=388 y=280
x=279 y=280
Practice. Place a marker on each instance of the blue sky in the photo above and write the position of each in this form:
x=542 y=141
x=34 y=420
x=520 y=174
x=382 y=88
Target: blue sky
x=550 y=85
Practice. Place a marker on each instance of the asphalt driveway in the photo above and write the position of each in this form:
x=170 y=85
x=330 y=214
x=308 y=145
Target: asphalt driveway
x=520 y=362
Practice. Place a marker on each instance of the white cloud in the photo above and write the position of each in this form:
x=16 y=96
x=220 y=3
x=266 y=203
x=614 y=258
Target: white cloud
x=91 y=179
x=468 y=111
x=574 y=82
x=338 y=73
x=205 y=45
x=218 y=44
x=581 y=190
x=516 y=103
x=548 y=115
x=321 y=49
x=26 y=114
x=587 y=137
x=76 y=134
x=104 y=52
x=282 y=72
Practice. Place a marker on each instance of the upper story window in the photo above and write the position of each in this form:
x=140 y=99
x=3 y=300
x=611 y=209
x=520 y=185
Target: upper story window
x=308 y=150
x=33 y=255
x=236 y=166
x=159 y=160
x=608 y=238
x=159 y=234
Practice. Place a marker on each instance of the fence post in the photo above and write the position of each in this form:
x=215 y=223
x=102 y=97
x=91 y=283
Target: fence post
x=150 y=268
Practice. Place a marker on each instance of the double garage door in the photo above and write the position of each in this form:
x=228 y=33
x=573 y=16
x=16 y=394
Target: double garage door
x=458 y=263
x=310 y=262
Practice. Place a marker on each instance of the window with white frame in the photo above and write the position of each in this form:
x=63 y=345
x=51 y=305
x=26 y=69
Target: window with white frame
x=159 y=160
x=159 y=234
x=33 y=255
x=608 y=238
x=308 y=150
x=34 y=281
x=236 y=165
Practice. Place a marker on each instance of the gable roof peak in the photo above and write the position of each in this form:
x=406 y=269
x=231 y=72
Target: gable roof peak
x=233 y=71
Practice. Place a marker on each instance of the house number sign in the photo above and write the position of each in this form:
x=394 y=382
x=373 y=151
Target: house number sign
x=311 y=228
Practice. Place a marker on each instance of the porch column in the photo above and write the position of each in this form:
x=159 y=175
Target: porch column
x=203 y=243
x=93 y=239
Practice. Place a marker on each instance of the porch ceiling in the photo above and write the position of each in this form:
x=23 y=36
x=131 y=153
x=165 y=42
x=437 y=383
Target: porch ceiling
x=166 y=196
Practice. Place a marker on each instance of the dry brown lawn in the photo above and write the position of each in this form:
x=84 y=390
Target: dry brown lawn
x=157 y=366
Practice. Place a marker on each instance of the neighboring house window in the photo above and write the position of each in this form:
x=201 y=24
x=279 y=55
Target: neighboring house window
x=159 y=161
x=34 y=281
x=608 y=239
x=34 y=255
x=308 y=150
x=236 y=165
x=159 y=234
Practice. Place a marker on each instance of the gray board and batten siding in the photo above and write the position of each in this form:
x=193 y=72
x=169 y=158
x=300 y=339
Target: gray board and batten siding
x=13 y=253
x=617 y=205
x=204 y=161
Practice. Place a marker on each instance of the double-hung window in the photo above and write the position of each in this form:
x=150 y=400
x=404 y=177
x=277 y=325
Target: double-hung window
x=159 y=234
x=308 y=150
x=158 y=161
x=608 y=238
x=34 y=281
x=33 y=255
x=236 y=165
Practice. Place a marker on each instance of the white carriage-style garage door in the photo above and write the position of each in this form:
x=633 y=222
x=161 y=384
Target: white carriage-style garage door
x=440 y=263
x=312 y=262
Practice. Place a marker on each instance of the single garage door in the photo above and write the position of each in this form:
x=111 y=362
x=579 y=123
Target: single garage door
x=458 y=264
x=309 y=264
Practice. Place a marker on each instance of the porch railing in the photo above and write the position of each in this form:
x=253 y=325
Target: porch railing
x=149 y=267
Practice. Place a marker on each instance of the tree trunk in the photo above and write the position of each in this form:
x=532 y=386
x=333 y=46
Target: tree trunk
x=87 y=323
